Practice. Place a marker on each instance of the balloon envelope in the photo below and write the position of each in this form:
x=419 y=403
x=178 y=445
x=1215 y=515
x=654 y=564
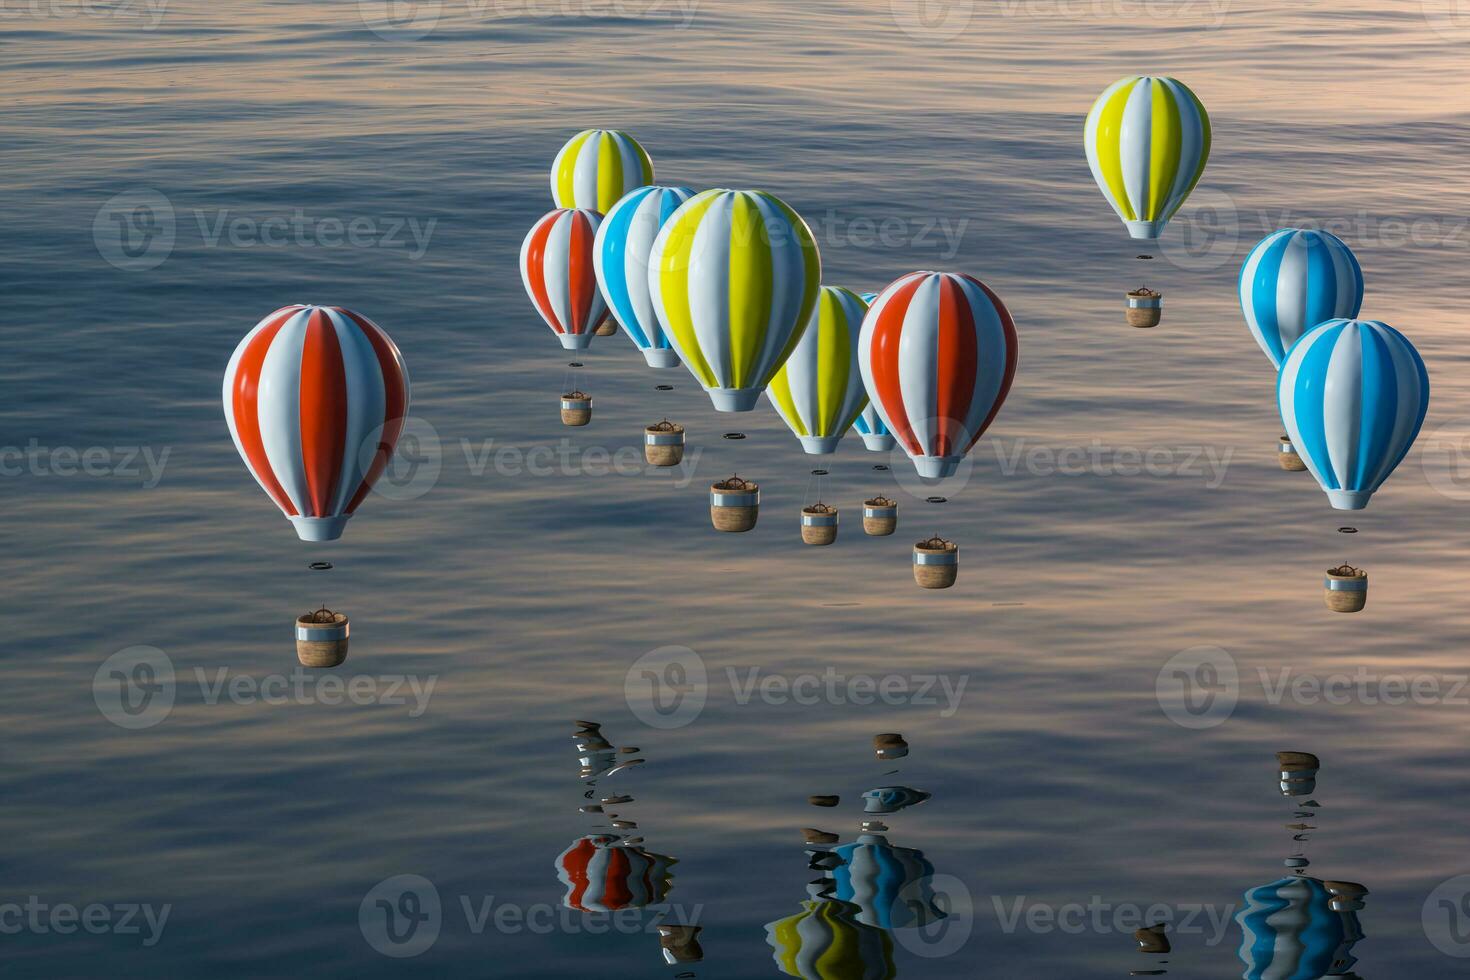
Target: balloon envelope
x=734 y=277
x=597 y=167
x=825 y=941
x=624 y=243
x=891 y=886
x=1290 y=930
x=1353 y=395
x=603 y=875
x=869 y=424
x=315 y=398
x=1147 y=140
x=560 y=276
x=819 y=390
x=1293 y=280
x=938 y=353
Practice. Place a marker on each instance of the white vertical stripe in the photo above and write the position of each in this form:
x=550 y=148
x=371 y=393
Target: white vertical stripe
x=1089 y=136
x=1136 y=145
x=366 y=403
x=708 y=279
x=556 y=269
x=1342 y=403
x=1191 y=145
x=584 y=174
x=991 y=352
x=918 y=358
x=1292 y=290
x=788 y=286
x=279 y=399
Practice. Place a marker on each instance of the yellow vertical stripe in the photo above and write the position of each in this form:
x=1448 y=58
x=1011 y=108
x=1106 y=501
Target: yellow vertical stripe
x=833 y=352
x=1109 y=138
x=1166 y=143
x=644 y=158
x=779 y=391
x=752 y=286
x=609 y=173
x=566 y=190
x=673 y=284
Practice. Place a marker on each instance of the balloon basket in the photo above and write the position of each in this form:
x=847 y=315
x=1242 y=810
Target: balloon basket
x=663 y=444
x=1346 y=589
x=880 y=517
x=576 y=408
x=1298 y=773
x=734 y=504
x=936 y=563
x=1145 y=307
x=606 y=329
x=819 y=524
x=321 y=638
x=680 y=944
x=1291 y=461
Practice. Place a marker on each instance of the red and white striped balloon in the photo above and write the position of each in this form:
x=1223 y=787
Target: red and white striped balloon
x=602 y=874
x=315 y=397
x=938 y=353
x=560 y=275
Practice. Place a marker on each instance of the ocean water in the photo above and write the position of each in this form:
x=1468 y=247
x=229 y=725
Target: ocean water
x=507 y=578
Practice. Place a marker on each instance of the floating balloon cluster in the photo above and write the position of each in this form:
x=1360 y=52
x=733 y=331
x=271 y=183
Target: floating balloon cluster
x=729 y=283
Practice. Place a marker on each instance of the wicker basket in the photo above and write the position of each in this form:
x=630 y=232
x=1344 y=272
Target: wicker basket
x=1298 y=773
x=606 y=328
x=1346 y=589
x=1145 y=307
x=663 y=443
x=321 y=644
x=936 y=563
x=880 y=516
x=734 y=504
x=1290 y=459
x=576 y=408
x=819 y=524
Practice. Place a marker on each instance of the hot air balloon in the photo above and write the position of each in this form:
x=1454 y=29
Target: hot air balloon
x=1292 y=930
x=1293 y=280
x=876 y=437
x=890 y=885
x=602 y=874
x=938 y=353
x=819 y=390
x=825 y=941
x=1148 y=139
x=1353 y=395
x=621 y=257
x=559 y=273
x=596 y=168
x=315 y=398
x=734 y=277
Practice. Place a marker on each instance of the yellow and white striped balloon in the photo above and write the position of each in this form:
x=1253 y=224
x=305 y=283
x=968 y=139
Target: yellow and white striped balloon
x=1147 y=139
x=597 y=167
x=734 y=277
x=819 y=391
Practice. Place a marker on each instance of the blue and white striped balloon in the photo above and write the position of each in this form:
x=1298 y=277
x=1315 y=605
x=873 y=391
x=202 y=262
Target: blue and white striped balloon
x=870 y=425
x=1293 y=280
x=891 y=885
x=1289 y=929
x=1353 y=395
x=624 y=242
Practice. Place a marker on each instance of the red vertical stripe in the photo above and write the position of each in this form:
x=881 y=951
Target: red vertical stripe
x=574 y=863
x=1011 y=354
x=615 y=891
x=395 y=404
x=245 y=407
x=883 y=362
x=955 y=371
x=536 y=270
x=581 y=274
x=323 y=412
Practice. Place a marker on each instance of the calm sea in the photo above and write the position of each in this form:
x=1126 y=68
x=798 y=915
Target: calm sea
x=174 y=172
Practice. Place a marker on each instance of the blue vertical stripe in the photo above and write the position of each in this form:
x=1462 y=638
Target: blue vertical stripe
x=1309 y=385
x=1380 y=408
